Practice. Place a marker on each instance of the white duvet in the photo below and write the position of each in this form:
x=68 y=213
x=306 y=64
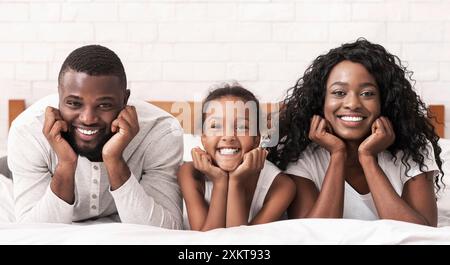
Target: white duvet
x=300 y=231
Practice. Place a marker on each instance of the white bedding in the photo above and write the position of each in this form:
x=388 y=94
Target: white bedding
x=300 y=231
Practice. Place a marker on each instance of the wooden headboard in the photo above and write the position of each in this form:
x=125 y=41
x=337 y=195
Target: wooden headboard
x=16 y=106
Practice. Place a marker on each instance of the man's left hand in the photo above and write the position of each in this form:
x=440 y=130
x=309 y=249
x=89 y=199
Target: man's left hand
x=125 y=127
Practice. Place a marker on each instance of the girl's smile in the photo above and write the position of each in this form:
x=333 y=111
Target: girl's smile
x=226 y=136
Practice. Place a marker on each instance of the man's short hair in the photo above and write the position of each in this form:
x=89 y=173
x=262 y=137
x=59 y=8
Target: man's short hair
x=94 y=60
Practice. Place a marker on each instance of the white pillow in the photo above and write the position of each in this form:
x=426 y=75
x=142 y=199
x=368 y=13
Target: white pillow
x=6 y=200
x=190 y=141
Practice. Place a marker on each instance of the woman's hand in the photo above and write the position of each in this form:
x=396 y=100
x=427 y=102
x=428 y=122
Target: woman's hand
x=321 y=133
x=381 y=138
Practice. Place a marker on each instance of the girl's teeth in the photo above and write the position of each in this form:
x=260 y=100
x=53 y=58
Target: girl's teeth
x=87 y=132
x=228 y=151
x=349 y=118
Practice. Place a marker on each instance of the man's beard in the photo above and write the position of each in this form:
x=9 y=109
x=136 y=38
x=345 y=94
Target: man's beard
x=93 y=154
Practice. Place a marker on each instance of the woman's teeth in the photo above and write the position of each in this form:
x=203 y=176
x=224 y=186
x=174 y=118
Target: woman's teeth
x=351 y=118
x=228 y=151
x=87 y=132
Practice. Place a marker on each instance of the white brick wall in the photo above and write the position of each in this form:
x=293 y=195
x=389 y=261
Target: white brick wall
x=175 y=49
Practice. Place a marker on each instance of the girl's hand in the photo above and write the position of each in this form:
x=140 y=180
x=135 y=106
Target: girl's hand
x=203 y=163
x=252 y=165
x=321 y=133
x=381 y=138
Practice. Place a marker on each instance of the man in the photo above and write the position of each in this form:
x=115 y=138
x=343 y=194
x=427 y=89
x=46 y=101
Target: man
x=90 y=155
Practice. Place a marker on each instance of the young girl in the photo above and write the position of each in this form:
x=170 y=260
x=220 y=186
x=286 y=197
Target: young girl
x=230 y=182
x=354 y=129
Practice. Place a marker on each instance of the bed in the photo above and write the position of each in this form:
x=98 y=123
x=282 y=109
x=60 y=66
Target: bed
x=300 y=231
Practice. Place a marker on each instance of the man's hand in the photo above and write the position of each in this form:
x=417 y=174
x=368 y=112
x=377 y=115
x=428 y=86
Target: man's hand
x=63 y=180
x=125 y=127
x=53 y=126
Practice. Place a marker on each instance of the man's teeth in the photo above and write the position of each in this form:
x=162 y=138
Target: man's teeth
x=87 y=132
x=228 y=151
x=351 y=118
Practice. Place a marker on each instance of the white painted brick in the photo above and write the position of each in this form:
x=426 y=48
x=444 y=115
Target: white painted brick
x=158 y=52
x=191 y=11
x=11 y=52
x=31 y=71
x=317 y=11
x=45 y=12
x=191 y=32
x=13 y=12
x=53 y=71
x=300 y=32
x=17 y=32
x=281 y=71
x=257 y=52
x=143 y=71
x=139 y=12
x=432 y=92
x=349 y=32
x=37 y=52
x=447 y=31
x=232 y=1
x=194 y=71
x=242 y=71
x=62 y=50
x=7 y=71
x=222 y=12
x=40 y=89
x=110 y=31
x=415 y=31
x=268 y=91
x=444 y=72
x=142 y=32
x=126 y=51
x=15 y=89
x=306 y=52
x=388 y=11
x=89 y=12
x=424 y=71
x=430 y=11
x=70 y=32
x=179 y=91
x=426 y=52
x=242 y=32
x=201 y=52
x=266 y=12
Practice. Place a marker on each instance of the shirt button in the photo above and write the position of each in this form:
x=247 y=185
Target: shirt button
x=94 y=207
x=94 y=196
x=96 y=167
x=95 y=181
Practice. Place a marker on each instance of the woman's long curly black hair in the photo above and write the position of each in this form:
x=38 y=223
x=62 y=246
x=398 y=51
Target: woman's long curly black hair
x=399 y=103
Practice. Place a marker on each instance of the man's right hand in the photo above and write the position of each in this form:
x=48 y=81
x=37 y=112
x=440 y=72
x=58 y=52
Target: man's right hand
x=321 y=133
x=203 y=163
x=53 y=126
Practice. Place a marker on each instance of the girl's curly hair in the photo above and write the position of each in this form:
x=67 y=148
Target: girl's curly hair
x=399 y=103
